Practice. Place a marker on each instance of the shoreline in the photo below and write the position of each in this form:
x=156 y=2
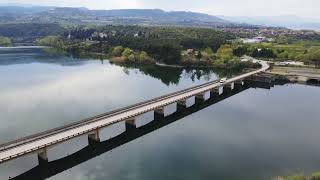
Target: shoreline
x=296 y=74
x=160 y=64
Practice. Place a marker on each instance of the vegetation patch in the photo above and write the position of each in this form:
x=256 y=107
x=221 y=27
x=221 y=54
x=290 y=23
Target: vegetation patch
x=168 y=45
x=5 y=41
x=304 y=51
x=314 y=176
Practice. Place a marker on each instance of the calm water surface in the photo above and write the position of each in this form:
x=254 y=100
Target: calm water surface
x=255 y=134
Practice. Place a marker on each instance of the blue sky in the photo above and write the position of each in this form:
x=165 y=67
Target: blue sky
x=302 y=8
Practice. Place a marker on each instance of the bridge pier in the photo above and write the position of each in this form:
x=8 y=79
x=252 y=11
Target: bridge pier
x=159 y=113
x=192 y=101
x=203 y=96
x=219 y=90
x=43 y=156
x=231 y=85
x=164 y=111
x=182 y=104
x=240 y=82
x=131 y=124
x=186 y=103
x=93 y=137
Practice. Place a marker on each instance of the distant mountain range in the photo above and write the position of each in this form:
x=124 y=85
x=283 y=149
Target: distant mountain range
x=22 y=9
x=289 y=21
x=24 y=13
x=39 y=14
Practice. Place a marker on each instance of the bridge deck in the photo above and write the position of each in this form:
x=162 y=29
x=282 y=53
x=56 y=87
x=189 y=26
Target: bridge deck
x=46 y=139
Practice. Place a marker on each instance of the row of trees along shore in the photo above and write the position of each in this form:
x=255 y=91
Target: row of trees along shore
x=169 y=45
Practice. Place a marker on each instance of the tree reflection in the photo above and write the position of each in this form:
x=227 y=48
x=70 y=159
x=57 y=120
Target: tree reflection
x=172 y=75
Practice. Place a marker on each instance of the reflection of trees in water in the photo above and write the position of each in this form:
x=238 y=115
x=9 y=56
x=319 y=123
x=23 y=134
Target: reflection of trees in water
x=170 y=75
x=31 y=55
x=227 y=72
x=167 y=75
x=194 y=74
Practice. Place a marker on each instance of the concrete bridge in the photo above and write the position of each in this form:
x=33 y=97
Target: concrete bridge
x=42 y=142
x=52 y=168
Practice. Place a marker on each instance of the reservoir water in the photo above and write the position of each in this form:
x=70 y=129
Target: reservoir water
x=255 y=134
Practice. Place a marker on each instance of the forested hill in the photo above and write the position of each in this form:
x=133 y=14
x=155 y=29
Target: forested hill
x=77 y=16
x=29 y=32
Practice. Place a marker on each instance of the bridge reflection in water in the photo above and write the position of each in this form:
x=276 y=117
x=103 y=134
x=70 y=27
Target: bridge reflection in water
x=49 y=169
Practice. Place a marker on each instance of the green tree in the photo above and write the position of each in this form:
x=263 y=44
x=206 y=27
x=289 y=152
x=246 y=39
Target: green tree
x=225 y=52
x=131 y=58
x=208 y=51
x=53 y=41
x=313 y=56
x=283 y=56
x=144 y=57
x=5 y=41
x=168 y=53
x=117 y=51
x=198 y=55
x=240 y=51
x=265 y=52
x=208 y=54
x=127 y=52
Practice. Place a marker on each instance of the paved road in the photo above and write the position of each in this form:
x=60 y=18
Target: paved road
x=46 y=139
